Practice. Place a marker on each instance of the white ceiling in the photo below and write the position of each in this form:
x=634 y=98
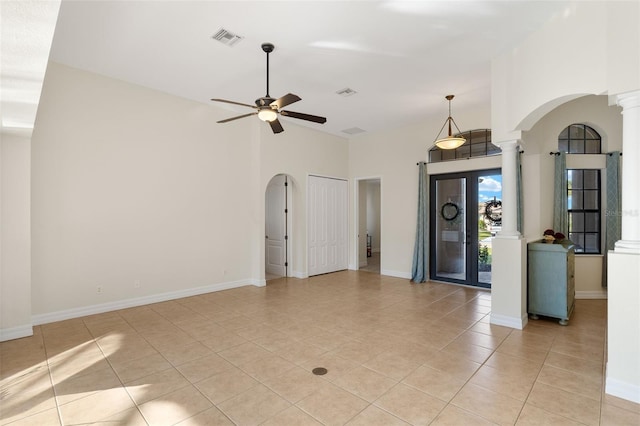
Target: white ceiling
x=401 y=58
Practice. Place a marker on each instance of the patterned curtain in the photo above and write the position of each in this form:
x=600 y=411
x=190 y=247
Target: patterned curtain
x=420 y=267
x=560 y=209
x=519 y=196
x=613 y=222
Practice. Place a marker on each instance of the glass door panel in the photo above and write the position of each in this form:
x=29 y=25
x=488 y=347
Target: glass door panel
x=489 y=201
x=450 y=229
x=466 y=213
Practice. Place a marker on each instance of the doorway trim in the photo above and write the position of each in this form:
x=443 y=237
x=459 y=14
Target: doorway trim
x=358 y=240
x=289 y=241
x=471 y=249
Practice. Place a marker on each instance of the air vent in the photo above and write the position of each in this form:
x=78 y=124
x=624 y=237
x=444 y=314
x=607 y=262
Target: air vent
x=353 y=131
x=346 y=92
x=226 y=37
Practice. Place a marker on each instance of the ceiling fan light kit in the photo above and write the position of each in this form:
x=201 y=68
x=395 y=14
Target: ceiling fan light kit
x=449 y=142
x=267 y=114
x=268 y=108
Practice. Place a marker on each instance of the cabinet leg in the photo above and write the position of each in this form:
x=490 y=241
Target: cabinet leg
x=563 y=322
x=533 y=316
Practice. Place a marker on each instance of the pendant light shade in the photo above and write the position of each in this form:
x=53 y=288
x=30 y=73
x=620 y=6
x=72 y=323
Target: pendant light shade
x=449 y=142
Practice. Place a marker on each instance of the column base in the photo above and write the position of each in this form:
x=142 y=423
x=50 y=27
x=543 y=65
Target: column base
x=623 y=323
x=627 y=246
x=509 y=281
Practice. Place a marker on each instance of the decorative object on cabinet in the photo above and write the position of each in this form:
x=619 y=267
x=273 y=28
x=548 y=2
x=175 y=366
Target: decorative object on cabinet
x=549 y=236
x=551 y=280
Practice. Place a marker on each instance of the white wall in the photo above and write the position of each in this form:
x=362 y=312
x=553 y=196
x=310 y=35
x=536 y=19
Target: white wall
x=15 y=242
x=373 y=214
x=131 y=186
x=299 y=152
x=392 y=155
x=538 y=172
x=591 y=48
x=362 y=223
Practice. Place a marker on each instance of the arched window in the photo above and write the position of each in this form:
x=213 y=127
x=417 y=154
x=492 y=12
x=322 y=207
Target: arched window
x=478 y=144
x=583 y=189
x=579 y=139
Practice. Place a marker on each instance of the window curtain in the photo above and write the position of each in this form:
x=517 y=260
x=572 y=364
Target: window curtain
x=613 y=222
x=519 y=196
x=560 y=209
x=420 y=267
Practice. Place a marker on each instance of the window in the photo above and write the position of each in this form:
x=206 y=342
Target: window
x=583 y=202
x=478 y=144
x=579 y=139
x=583 y=189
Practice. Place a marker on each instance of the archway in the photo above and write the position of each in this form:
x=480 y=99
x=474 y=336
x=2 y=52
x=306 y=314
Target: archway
x=278 y=221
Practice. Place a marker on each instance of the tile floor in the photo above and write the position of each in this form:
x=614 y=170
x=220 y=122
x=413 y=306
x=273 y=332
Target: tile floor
x=396 y=353
x=373 y=263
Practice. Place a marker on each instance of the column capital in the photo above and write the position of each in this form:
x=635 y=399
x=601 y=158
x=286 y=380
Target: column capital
x=628 y=100
x=509 y=145
x=506 y=143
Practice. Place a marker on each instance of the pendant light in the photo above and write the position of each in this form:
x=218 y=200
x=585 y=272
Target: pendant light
x=450 y=142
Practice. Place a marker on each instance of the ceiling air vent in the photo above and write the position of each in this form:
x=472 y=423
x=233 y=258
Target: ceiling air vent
x=226 y=37
x=353 y=131
x=346 y=92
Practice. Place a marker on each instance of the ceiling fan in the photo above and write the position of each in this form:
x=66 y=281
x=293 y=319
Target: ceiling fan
x=268 y=108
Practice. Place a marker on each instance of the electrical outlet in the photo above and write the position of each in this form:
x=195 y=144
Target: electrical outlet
x=99 y=289
x=136 y=284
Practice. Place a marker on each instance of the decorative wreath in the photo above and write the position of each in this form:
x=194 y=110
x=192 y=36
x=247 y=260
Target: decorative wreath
x=449 y=211
x=493 y=210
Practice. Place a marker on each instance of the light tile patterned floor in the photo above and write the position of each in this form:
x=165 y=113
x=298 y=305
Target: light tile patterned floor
x=396 y=353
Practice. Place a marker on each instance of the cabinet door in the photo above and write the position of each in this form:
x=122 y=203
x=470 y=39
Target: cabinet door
x=548 y=284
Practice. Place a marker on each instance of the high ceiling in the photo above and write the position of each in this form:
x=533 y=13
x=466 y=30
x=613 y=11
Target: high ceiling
x=401 y=57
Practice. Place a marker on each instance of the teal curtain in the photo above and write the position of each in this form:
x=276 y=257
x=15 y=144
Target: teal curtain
x=613 y=220
x=519 y=196
x=560 y=209
x=420 y=267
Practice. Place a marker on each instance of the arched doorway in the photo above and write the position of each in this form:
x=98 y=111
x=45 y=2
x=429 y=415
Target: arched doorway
x=277 y=227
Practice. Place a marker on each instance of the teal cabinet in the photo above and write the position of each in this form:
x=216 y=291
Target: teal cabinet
x=551 y=283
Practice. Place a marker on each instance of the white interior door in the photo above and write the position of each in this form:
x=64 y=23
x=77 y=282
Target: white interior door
x=328 y=225
x=275 y=226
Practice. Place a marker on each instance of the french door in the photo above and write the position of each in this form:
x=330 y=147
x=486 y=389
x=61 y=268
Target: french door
x=465 y=213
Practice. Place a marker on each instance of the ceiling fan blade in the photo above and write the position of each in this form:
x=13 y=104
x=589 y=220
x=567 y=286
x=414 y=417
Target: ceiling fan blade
x=233 y=102
x=235 y=118
x=276 y=126
x=287 y=99
x=301 y=116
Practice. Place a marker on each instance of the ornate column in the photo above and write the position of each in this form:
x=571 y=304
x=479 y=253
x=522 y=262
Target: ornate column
x=630 y=238
x=509 y=281
x=623 y=271
x=509 y=190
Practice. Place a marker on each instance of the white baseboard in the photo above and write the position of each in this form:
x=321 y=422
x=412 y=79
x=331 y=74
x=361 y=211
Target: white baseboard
x=138 y=301
x=397 y=274
x=591 y=294
x=19 y=332
x=259 y=282
x=620 y=389
x=511 y=322
x=299 y=274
